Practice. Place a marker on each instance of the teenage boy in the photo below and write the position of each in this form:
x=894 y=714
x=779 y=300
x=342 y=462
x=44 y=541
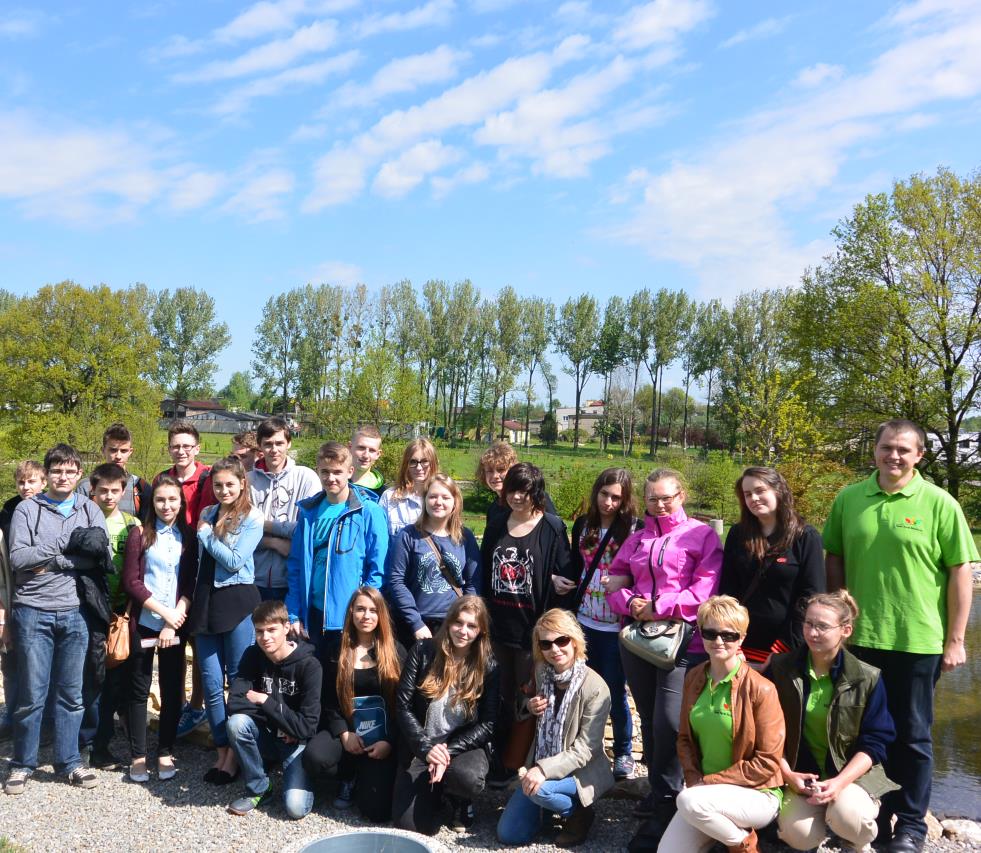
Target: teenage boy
x=273 y=710
x=108 y=483
x=339 y=544
x=50 y=633
x=245 y=448
x=278 y=485
x=117 y=447
x=29 y=479
x=366 y=446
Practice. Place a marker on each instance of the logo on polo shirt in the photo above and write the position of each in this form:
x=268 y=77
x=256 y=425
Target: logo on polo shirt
x=910 y=522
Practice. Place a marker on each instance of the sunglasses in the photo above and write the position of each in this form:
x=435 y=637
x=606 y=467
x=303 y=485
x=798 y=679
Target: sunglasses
x=561 y=642
x=712 y=635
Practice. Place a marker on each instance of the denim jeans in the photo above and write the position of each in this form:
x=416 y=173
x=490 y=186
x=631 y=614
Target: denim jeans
x=8 y=671
x=50 y=646
x=603 y=656
x=910 y=681
x=522 y=816
x=252 y=743
x=220 y=655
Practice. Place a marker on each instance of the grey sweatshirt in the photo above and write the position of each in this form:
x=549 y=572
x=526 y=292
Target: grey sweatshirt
x=276 y=496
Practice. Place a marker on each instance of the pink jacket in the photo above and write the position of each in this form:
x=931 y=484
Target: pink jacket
x=685 y=556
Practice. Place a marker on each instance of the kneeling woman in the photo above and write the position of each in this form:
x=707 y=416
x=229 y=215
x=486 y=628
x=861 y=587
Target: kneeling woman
x=730 y=740
x=357 y=721
x=447 y=708
x=838 y=729
x=567 y=767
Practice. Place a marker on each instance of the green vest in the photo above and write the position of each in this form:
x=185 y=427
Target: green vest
x=851 y=692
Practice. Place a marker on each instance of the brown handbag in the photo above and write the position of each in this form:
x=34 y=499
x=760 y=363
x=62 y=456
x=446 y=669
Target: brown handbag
x=117 y=640
x=522 y=735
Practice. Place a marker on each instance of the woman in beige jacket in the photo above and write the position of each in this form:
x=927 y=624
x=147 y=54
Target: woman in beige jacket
x=566 y=769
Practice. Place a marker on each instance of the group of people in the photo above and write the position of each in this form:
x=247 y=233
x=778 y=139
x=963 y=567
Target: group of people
x=357 y=633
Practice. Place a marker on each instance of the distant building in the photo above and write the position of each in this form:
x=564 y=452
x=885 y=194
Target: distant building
x=968 y=448
x=169 y=411
x=590 y=414
x=209 y=416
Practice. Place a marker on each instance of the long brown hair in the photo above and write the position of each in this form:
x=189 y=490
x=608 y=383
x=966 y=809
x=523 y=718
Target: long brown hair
x=403 y=483
x=789 y=523
x=150 y=524
x=454 y=524
x=466 y=676
x=385 y=654
x=229 y=519
x=623 y=521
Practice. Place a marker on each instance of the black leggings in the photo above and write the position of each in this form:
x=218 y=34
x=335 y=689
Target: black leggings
x=170 y=665
x=374 y=779
x=416 y=802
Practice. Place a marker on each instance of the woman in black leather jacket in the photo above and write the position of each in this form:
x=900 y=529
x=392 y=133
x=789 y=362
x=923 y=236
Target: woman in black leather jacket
x=447 y=705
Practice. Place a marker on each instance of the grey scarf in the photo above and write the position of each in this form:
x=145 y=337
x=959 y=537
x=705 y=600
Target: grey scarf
x=552 y=721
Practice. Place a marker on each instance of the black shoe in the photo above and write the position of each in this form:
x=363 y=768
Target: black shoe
x=462 y=815
x=576 y=827
x=500 y=778
x=906 y=842
x=645 y=808
x=648 y=835
x=103 y=759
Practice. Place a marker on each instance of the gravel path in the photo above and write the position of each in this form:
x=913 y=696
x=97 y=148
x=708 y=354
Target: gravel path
x=188 y=814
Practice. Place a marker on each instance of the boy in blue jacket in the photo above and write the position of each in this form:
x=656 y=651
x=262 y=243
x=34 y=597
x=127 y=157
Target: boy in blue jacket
x=340 y=543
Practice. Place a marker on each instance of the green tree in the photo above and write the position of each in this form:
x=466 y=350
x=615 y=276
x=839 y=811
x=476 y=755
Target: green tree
x=575 y=338
x=537 y=320
x=238 y=393
x=276 y=348
x=610 y=352
x=704 y=348
x=668 y=322
x=189 y=338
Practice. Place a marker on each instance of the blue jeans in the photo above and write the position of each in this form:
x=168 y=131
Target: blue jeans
x=8 y=671
x=603 y=656
x=910 y=681
x=522 y=817
x=50 y=646
x=252 y=743
x=220 y=654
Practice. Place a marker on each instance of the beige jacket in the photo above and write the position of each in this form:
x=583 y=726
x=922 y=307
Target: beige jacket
x=582 y=755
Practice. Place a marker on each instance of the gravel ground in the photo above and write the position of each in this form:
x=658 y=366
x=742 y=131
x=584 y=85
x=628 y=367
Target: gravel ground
x=186 y=813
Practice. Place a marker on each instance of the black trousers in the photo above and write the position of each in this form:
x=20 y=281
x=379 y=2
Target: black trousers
x=416 y=804
x=170 y=665
x=374 y=779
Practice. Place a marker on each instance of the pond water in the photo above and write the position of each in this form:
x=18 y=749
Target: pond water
x=957 y=731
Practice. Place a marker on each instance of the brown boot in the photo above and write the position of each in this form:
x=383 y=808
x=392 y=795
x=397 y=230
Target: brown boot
x=576 y=827
x=747 y=845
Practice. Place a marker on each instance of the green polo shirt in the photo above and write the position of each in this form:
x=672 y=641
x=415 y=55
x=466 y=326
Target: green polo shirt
x=819 y=696
x=711 y=723
x=897 y=549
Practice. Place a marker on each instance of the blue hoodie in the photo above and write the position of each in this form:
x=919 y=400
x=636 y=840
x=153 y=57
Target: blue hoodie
x=357 y=545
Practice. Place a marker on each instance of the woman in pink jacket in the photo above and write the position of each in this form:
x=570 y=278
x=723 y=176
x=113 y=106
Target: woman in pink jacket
x=663 y=571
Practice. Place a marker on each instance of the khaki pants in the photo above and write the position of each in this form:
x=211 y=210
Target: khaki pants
x=710 y=813
x=851 y=817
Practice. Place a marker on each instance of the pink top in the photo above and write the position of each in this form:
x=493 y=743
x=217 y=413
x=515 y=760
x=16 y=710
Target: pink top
x=685 y=556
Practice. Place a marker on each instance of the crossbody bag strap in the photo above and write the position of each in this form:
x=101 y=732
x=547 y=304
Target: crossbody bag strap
x=443 y=570
x=755 y=582
x=593 y=565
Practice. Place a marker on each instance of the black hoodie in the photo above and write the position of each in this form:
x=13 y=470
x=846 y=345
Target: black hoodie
x=293 y=687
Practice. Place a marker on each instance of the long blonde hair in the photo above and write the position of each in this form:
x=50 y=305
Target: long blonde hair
x=386 y=656
x=454 y=524
x=466 y=676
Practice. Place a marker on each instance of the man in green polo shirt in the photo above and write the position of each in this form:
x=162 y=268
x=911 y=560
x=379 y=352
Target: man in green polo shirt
x=904 y=550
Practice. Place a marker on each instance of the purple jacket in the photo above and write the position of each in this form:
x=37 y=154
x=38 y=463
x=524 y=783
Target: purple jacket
x=685 y=556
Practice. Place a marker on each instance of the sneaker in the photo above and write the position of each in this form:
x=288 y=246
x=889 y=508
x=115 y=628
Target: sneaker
x=345 y=795
x=190 y=719
x=463 y=816
x=17 y=780
x=82 y=777
x=623 y=767
x=102 y=758
x=250 y=802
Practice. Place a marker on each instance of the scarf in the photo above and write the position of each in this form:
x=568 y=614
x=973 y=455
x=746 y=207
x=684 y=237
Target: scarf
x=552 y=721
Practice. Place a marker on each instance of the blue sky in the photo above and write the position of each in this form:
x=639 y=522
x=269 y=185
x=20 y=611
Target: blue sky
x=557 y=147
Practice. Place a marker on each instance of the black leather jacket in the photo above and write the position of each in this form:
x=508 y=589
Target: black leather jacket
x=412 y=706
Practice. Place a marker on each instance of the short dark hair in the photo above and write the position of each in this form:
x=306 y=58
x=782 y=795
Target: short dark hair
x=902 y=425
x=270 y=426
x=62 y=454
x=183 y=428
x=525 y=477
x=116 y=432
x=107 y=472
x=270 y=611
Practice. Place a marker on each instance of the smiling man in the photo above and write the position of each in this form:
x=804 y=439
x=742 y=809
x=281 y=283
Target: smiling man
x=903 y=549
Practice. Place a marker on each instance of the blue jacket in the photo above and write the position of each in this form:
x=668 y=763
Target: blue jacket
x=233 y=555
x=357 y=546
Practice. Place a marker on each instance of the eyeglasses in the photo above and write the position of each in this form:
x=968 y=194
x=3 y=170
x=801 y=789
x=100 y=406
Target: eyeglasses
x=182 y=448
x=820 y=627
x=418 y=463
x=63 y=473
x=713 y=634
x=561 y=642
x=662 y=499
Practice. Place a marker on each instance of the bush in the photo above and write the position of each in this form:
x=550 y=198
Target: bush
x=570 y=436
x=570 y=494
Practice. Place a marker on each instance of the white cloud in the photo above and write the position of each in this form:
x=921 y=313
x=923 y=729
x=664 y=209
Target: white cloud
x=337 y=273
x=660 y=22
x=239 y=99
x=399 y=176
x=261 y=19
x=315 y=38
x=720 y=211
x=443 y=185
x=433 y=13
x=815 y=75
x=19 y=23
x=195 y=190
x=262 y=196
x=405 y=74
x=764 y=29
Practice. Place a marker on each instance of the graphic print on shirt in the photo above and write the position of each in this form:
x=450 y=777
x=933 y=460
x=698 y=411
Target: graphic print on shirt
x=512 y=572
x=287 y=686
x=431 y=580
